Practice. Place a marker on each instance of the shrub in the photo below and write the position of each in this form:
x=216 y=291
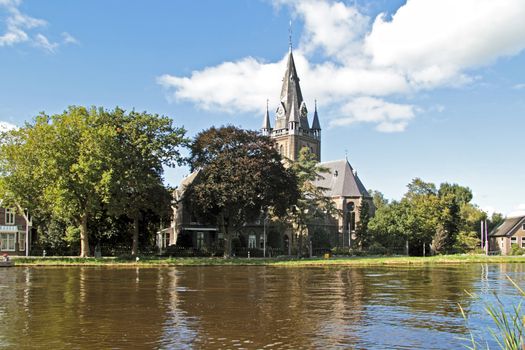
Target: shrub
x=516 y=250
x=377 y=249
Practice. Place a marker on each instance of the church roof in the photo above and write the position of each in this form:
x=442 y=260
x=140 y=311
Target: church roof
x=291 y=95
x=341 y=180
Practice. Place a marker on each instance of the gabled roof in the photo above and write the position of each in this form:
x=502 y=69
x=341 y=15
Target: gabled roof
x=341 y=180
x=508 y=227
x=188 y=180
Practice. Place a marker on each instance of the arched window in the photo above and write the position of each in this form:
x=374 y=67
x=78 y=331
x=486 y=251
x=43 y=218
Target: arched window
x=281 y=150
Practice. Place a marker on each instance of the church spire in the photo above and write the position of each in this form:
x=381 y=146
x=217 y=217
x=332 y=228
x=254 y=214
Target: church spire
x=316 y=126
x=266 y=127
x=291 y=95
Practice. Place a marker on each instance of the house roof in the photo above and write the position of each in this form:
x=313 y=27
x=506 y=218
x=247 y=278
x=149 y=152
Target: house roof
x=188 y=180
x=341 y=180
x=508 y=227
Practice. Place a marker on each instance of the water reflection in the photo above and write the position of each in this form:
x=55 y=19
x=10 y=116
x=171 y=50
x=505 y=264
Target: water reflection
x=246 y=307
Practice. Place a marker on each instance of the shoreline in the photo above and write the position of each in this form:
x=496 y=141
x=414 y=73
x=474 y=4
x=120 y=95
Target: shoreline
x=277 y=262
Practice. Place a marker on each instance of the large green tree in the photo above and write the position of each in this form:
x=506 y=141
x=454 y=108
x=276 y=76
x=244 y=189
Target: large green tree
x=444 y=218
x=241 y=175
x=61 y=164
x=70 y=166
x=145 y=143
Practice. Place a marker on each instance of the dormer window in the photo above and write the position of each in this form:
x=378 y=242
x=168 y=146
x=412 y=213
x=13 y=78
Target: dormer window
x=9 y=216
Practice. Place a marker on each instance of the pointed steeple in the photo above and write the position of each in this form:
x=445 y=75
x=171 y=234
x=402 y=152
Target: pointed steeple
x=291 y=96
x=316 y=126
x=266 y=126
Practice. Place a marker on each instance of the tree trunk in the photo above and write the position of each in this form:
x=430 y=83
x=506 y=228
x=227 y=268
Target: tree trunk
x=135 y=244
x=84 y=239
x=300 y=244
x=407 y=248
x=223 y=226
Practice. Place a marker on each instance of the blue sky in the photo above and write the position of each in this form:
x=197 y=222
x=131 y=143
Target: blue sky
x=425 y=88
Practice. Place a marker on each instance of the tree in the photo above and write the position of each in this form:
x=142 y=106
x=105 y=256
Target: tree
x=312 y=203
x=389 y=226
x=70 y=166
x=362 y=238
x=145 y=143
x=378 y=199
x=68 y=162
x=241 y=174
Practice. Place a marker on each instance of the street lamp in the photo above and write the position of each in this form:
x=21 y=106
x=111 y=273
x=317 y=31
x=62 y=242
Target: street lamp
x=264 y=235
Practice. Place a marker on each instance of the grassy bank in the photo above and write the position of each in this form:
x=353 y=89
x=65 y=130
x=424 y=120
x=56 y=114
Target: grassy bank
x=289 y=262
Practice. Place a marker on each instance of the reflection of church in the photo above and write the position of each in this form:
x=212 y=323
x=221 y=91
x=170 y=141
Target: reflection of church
x=291 y=132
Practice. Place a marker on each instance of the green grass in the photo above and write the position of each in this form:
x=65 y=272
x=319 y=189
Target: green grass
x=288 y=262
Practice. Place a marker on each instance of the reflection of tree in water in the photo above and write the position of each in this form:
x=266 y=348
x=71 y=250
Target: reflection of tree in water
x=377 y=307
x=258 y=306
x=85 y=307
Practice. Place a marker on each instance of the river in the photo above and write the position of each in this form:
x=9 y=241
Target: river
x=249 y=307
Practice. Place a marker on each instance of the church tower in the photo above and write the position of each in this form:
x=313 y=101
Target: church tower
x=292 y=131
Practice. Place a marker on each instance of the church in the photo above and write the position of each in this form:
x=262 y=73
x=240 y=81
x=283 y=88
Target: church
x=291 y=132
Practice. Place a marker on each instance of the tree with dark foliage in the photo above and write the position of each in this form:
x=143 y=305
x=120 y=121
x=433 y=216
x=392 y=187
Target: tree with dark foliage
x=241 y=175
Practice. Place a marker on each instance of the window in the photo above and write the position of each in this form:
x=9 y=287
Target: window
x=21 y=241
x=513 y=240
x=9 y=216
x=523 y=242
x=200 y=240
x=7 y=241
x=523 y=227
x=252 y=242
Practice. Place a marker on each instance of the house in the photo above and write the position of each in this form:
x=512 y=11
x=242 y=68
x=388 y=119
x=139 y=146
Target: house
x=511 y=231
x=15 y=232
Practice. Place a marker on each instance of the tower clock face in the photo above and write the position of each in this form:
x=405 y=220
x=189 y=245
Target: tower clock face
x=280 y=112
x=304 y=111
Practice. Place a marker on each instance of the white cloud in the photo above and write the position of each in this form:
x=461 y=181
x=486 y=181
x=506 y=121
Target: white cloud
x=433 y=41
x=388 y=117
x=20 y=28
x=364 y=62
x=43 y=42
x=518 y=211
x=68 y=38
x=5 y=126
